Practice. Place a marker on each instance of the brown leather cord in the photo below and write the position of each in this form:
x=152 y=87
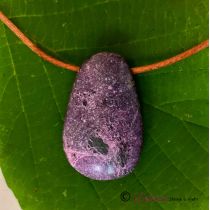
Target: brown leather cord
x=33 y=47
x=174 y=59
x=135 y=70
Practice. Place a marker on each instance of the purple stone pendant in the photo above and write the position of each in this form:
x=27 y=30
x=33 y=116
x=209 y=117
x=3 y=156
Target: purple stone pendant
x=102 y=133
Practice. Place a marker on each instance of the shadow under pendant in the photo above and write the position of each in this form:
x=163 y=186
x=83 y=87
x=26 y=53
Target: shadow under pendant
x=102 y=134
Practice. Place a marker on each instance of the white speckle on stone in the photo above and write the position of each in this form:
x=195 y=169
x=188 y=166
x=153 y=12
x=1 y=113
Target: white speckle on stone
x=109 y=87
x=97 y=168
x=110 y=169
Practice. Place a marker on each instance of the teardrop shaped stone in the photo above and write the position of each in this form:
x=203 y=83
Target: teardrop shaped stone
x=103 y=130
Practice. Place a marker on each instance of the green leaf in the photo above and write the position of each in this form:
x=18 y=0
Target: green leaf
x=174 y=101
